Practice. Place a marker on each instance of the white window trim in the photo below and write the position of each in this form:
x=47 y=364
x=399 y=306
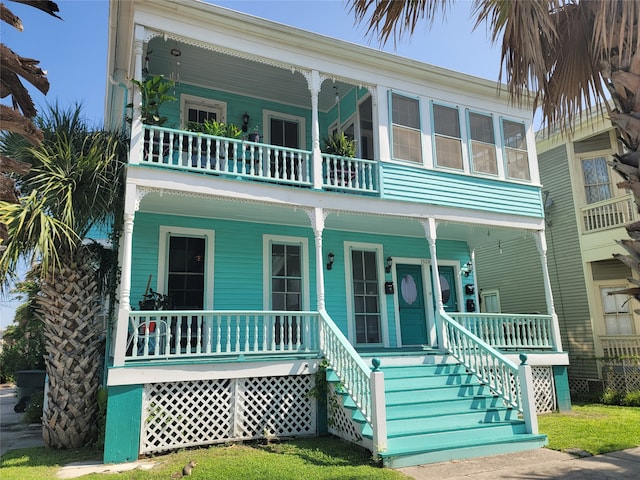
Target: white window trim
x=531 y=160
x=348 y=269
x=267 y=115
x=423 y=154
x=163 y=258
x=267 y=240
x=488 y=293
x=464 y=139
x=209 y=103
x=498 y=151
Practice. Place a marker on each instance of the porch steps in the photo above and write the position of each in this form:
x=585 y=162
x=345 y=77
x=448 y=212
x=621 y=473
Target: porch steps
x=438 y=412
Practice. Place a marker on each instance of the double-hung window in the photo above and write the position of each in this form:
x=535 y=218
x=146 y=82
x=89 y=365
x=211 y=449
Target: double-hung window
x=482 y=143
x=448 y=140
x=618 y=319
x=596 y=179
x=405 y=119
x=515 y=150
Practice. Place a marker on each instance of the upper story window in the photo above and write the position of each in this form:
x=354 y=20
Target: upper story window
x=406 y=134
x=482 y=143
x=199 y=110
x=448 y=139
x=596 y=179
x=515 y=150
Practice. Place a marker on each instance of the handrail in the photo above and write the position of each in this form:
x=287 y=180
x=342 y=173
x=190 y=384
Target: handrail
x=349 y=174
x=484 y=361
x=505 y=330
x=354 y=374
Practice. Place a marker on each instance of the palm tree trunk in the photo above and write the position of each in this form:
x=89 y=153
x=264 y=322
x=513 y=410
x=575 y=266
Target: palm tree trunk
x=73 y=338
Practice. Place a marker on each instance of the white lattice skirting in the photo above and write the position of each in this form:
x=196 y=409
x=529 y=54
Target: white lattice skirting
x=544 y=388
x=186 y=414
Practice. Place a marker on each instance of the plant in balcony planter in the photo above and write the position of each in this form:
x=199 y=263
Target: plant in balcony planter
x=339 y=144
x=155 y=92
x=254 y=136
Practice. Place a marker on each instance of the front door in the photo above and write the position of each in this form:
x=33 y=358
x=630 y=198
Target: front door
x=413 y=321
x=448 y=288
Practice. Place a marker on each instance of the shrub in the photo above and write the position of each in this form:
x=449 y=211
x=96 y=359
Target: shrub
x=611 y=397
x=33 y=413
x=631 y=399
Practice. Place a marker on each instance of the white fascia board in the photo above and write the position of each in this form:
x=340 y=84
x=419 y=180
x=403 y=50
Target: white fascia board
x=540 y=359
x=210 y=371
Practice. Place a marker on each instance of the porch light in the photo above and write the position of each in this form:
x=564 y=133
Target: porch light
x=466 y=269
x=330 y=258
x=387 y=268
x=245 y=122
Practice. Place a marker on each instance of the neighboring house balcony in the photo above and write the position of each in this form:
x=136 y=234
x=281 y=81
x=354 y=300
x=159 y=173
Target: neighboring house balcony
x=608 y=214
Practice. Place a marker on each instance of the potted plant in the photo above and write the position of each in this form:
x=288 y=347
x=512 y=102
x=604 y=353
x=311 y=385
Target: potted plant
x=341 y=145
x=154 y=92
x=254 y=136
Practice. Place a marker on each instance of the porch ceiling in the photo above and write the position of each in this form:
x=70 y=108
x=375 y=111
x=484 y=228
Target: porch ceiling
x=222 y=208
x=210 y=69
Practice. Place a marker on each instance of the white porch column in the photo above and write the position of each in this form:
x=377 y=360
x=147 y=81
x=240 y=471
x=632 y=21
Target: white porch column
x=122 y=324
x=541 y=243
x=314 y=83
x=136 y=99
x=430 y=227
x=317 y=217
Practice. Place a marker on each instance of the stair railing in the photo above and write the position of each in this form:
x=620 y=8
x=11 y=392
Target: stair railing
x=356 y=378
x=511 y=382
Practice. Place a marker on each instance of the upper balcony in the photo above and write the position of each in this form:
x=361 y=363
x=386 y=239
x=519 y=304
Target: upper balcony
x=422 y=134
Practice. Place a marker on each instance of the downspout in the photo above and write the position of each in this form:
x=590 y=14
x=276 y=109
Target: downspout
x=125 y=99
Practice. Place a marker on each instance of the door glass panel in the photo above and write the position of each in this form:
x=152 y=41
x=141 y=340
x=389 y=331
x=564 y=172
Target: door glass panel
x=286 y=291
x=186 y=272
x=366 y=299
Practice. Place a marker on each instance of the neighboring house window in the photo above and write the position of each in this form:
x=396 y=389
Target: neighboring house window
x=366 y=299
x=596 y=179
x=490 y=301
x=448 y=140
x=405 y=119
x=483 y=148
x=515 y=150
x=618 y=319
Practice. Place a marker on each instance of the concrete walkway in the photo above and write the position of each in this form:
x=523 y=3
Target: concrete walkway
x=540 y=464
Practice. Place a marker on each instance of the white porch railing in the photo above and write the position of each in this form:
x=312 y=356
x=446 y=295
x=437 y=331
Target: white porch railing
x=611 y=213
x=345 y=173
x=489 y=365
x=507 y=331
x=620 y=345
x=205 y=333
x=241 y=159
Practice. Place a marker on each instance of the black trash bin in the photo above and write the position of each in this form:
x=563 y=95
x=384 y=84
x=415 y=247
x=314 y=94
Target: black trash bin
x=28 y=383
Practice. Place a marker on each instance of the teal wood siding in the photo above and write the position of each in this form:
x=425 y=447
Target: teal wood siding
x=123 y=423
x=238 y=276
x=400 y=182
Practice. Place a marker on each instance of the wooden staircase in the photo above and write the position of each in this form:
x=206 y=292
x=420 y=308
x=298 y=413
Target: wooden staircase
x=438 y=411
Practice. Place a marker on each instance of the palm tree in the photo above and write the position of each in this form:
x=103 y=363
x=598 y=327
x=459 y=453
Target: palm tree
x=74 y=185
x=572 y=56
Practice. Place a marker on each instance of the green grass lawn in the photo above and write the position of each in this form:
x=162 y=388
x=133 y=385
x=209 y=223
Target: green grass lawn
x=324 y=458
x=593 y=428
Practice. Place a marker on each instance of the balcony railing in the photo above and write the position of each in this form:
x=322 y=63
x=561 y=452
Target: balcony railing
x=611 y=213
x=620 y=345
x=206 y=333
x=245 y=160
x=509 y=332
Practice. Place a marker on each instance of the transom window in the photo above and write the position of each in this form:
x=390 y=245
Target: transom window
x=596 y=179
x=483 y=148
x=448 y=140
x=515 y=150
x=405 y=119
x=618 y=319
x=199 y=110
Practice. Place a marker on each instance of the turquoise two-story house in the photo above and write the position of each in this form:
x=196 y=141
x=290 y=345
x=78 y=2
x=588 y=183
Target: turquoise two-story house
x=281 y=268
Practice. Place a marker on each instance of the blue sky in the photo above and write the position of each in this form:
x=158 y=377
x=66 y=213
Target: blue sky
x=73 y=50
